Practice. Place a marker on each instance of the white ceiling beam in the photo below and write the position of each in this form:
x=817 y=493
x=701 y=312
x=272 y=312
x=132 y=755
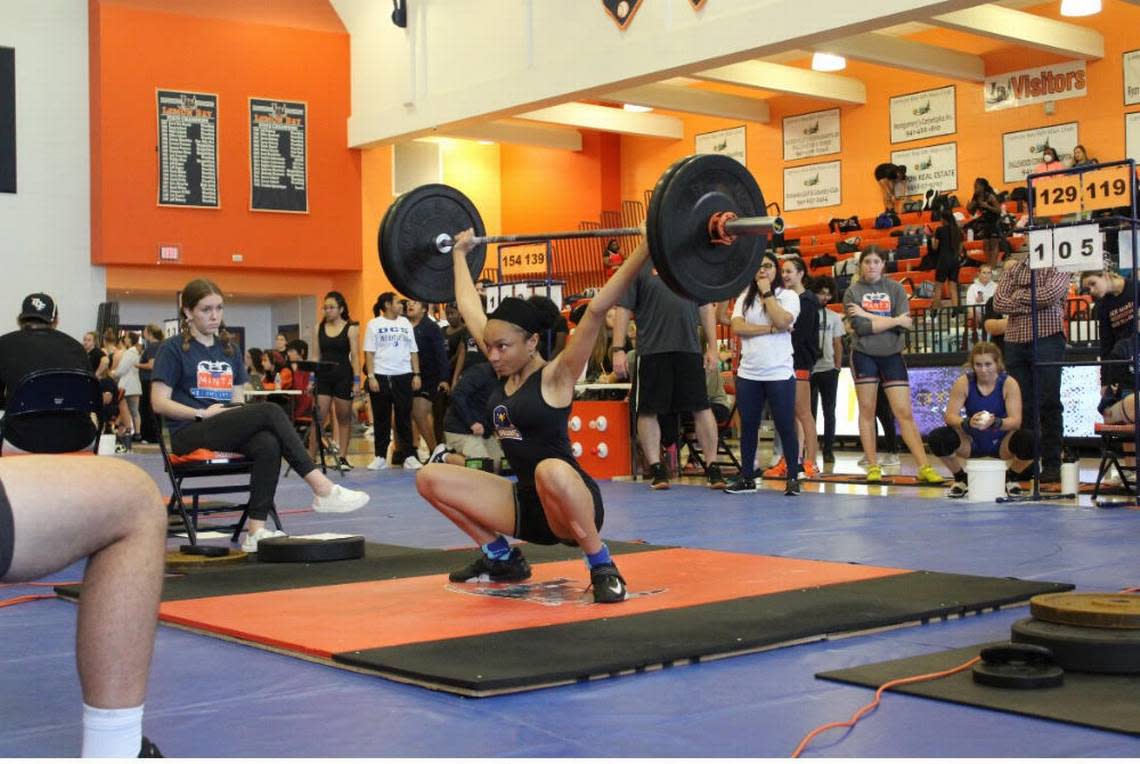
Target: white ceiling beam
x=606 y=119
x=1026 y=29
x=788 y=79
x=694 y=101
x=528 y=134
x=900 y=53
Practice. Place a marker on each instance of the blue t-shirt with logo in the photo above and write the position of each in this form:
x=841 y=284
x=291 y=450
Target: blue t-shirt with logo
x=198 y=377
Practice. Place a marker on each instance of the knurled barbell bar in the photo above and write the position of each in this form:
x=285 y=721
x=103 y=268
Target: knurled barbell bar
x=706 y=228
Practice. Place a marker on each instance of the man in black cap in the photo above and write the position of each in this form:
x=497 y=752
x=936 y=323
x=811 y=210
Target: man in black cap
x=35 y=346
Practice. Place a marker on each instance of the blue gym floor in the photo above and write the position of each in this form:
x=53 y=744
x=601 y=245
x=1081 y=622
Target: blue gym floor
x=209 y=698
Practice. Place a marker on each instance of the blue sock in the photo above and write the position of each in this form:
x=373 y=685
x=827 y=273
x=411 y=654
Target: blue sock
x=600 y=557
x=499 y=549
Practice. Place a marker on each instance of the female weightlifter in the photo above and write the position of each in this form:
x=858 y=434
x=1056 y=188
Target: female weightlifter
x=554 y=500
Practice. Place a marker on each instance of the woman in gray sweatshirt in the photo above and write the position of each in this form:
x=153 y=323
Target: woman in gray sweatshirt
x=878 y=313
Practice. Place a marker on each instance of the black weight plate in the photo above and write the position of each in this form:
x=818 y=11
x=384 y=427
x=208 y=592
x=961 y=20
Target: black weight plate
x=1082 y=648
x=308 y=549
x=685 y=199
x=407 y=241
x=1018 y=676
x=653 y=226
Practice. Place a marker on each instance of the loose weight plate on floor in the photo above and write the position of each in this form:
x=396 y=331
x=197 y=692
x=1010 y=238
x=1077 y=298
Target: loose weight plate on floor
x=1101 y=610
x=1081 y=648
x=321 y=547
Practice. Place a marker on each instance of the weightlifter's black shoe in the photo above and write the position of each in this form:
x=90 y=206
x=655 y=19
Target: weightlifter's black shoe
x=514 y=568
x=607 y=583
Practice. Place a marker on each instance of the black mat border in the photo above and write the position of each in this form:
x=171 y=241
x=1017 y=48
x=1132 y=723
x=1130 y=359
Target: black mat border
x=541 y=656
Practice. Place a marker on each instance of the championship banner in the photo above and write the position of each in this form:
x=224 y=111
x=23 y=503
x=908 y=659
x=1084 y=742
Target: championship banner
x=187 y=149
x=811 y=135
x=929 y=167
x=812 y=185
x=1021 y=150
x=278 y=155
x=1028 y=86
x=1132 y=77
x=925 y=114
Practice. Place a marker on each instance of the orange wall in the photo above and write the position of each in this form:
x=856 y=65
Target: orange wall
x=551 y=190
x=865 y=130
x=138 y=51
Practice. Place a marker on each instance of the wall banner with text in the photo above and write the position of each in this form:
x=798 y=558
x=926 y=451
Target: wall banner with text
x=923 y=115
x=811 y=135
x=1051 y=82
x=278 y=155
x=729 y=142
x=1021 y=150
x=812 y=185
x=929 y=167
x=1132 y=77
x=187 y=149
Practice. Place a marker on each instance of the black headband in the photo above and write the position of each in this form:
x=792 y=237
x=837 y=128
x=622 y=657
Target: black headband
x=517 y=311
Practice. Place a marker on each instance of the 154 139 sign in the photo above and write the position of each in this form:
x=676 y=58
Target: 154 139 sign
x=522 y=261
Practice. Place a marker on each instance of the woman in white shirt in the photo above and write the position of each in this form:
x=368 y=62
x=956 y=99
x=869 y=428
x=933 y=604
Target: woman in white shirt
x=762 y=319
x=126 y=374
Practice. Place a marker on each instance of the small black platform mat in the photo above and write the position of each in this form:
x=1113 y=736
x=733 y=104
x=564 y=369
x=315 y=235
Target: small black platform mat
x=1107 y=702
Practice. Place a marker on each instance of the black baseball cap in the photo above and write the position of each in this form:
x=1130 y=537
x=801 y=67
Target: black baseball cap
x=38 y=307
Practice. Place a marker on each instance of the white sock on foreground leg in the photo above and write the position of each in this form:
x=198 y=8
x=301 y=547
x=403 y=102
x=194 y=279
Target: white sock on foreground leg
x=115 y=732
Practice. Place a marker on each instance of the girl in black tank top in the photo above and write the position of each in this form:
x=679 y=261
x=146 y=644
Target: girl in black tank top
x=554 y=500
x=337 y=388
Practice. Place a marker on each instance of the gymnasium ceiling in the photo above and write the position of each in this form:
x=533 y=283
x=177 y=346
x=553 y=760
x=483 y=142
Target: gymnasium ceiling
x=962 y=46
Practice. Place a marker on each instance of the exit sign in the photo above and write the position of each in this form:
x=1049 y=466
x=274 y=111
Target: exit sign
x=169 y=253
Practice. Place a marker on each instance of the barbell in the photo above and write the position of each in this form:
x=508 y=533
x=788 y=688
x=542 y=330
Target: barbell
x=706 y=227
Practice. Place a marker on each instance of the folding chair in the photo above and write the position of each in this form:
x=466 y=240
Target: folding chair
x=724 y=430
x=1113 y=439
x=210 y=465
x=42 y=396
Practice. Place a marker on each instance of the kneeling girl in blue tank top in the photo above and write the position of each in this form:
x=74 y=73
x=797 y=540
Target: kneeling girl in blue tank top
x=991 y=400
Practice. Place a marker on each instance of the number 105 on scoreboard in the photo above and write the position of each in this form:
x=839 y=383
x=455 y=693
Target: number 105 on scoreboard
x=1072 y=248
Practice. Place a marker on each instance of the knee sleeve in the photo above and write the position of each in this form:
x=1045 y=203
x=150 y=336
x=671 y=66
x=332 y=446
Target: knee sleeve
x=1021 y=444
x=943 y=441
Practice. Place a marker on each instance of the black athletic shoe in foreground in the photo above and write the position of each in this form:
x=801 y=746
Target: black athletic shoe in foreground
x=658 y=477
x=792 y=487
x=607 y=583
x=149 y=750
x=741 y=485
x=715 y=479
x=514 y=568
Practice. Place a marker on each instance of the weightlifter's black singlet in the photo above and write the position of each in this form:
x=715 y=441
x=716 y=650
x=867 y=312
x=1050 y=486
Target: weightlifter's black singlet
x=530 y=430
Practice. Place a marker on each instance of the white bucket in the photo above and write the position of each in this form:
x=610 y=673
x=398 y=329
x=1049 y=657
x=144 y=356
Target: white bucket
x=987 y=479
x=107 y=445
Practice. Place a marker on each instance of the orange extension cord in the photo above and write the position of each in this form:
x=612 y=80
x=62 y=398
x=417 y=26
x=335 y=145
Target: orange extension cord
x=875 y=703
x=33 y=597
